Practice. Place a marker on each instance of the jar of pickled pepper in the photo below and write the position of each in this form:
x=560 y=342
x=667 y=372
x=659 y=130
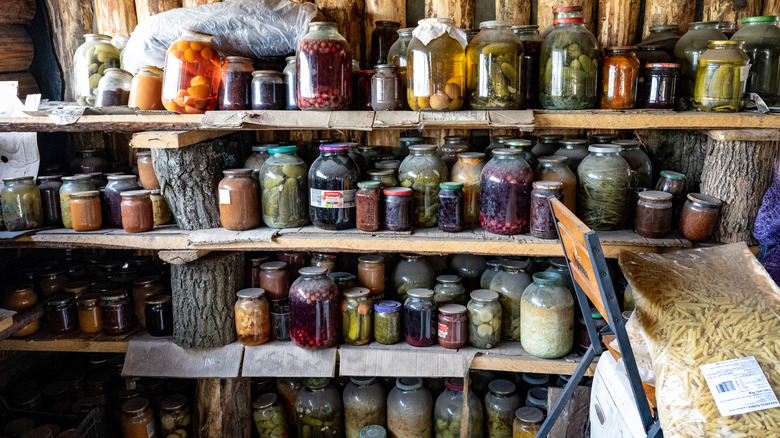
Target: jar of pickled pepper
x=619 y=77
x=192 y=74
x=436 y=67
x=493 y=67
x=324 y=69
x=721 y=77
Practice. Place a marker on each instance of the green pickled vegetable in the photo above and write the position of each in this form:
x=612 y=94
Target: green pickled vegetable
x=569 y=60
x=494 y=61
x=357 y=318
x=719 y=87
x=284 y=186
x=499 y=424
x=387 y=327
x=270 y=422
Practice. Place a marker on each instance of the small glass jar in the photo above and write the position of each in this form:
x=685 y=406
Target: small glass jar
x=493 y=67
x=436 y=68
x=654 y=214
x=555 y=168
x=361 y=93
x=146 y=89
x=699 y=217
x=137 y=213
x=532 y=48
x=368 y=202
x=116 y=313
x=638 y=161
x=274 y=278
x=21 y=204
x=453 y=145
x=290 y=83
x=604 y=190
x=542 y=223
x=689 y=48
x=50 y=199
x=192 y=74
x=467 y=171
x=71 y=184
x=660 y=86
x=398 y=208
x=285 y=192
x=387 y=89
x=485 y=319
x=280 y=322
x=569 y=63
x=501 y=402
x=90 y=318
x=267 y=90
x=90 y=63
x=324 y=69
x=333 y=179
x=420 y=318
x=721 y=77
x=412 y=272
x=343 y=280
x=548 y=317
x=114 y=88
x=319 y=410
x=18 y=298
x=296 y=260
x=314 y=312
x=85 y=214
x=453 y=326
x=51 y=280
x=160 y=209
x=619 y=77
x=448 y=411
x=528 y=421
x=143 y=288
x=158 y=315
x=505 y=193
x=268 y=417
x=146 y=171
x=113 y=198
x=235 y=89
x=357 y=316
x=510 y=283
x=449 y=289
x=239 y=203
x=423 y=171
x=138 y=419
x=387 y=322
x=410 y=409
x=253 y=325
x=61 y=314
x=674 y=183
x=762 y=44
x=524 y=146
x=451 y=207
x=322 y=260
x=649 y=54
x=175 y=416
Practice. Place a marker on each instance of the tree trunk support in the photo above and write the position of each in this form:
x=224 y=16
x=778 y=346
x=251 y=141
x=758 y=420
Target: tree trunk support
x=223 y=408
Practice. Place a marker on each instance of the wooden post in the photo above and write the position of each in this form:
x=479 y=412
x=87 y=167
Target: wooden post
x=115 y=17
x=617 y=22
x=69 y=21
x=462 y=11
x=223 y=408
x=679 y=12
x=381 y=10
x=771 y=7
x=146 y=8
x=17 y=46
x=188 y=3
x=730 y=10
x=17 y=11
x=27 y=83
x=516 y=12
x=204 y=293
x=544 y=15
x=348 y=16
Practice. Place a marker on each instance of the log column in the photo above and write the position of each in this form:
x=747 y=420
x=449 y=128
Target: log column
x=462 y=11
x=146 y=8
x=730 y=10
x=544 y=15
x=517 y=12
x=69 y=21
x=348 y=16
x=771 y=7
x=18 y=50
x=680 y=12
x=617 y=22
x=115 y=17
x=677 y=150
x=223 y=408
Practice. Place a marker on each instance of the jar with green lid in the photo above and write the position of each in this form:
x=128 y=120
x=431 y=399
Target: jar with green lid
x=386 y=177
x=449 y=411
x=412 y=272
x=449 y=289
x=569 y=66
x=721 y=77
x=21 y=202
x=387 y=322
x=575 y=150
x=357 y=316
x=90 y=63
x=674 y=183
x=409 y=409
x=318 y=408
x=72 y=184
x=343 y=280
x=365 y=404
x=528 y=421
x=525 y=146
x=284 y=187
x=638 y=161
x=548 y=317
x=493 y=67
x=501 y=402
x=604 y=188
x=423 y=171
x=268 y=416
x=688 y=50
x=436 y=66
x=493 y=268
x=510 y=283
x=761 y=38
x=484 y=319
x=175 y=416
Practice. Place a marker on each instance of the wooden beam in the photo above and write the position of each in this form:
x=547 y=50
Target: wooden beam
x=182 y=257
x=147 y=8
x=68 y=22
x=516 y=12
x=18 y=47
x=172 y=139
x=679 y=12
x=17 y=11
x=730 y=10
x=115 y=17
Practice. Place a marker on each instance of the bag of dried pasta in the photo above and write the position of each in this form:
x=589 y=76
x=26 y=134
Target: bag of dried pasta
x=699 y=307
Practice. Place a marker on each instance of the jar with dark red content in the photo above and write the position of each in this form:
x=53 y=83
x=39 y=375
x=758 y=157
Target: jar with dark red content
x=137 y=213
x=267 y=90
x=323 y=69
x=235 y=92
x=116 y=312
x=382 y=38
x=275 y=280
x=361 y=95
x=61 y=314
x=532 y=49
x=699 y=217
x=505 y=193
x=369 y=205
x=314 y=310
x=654 y=214
x=659 y=88
x=333 y=179
x=398 y=208
x=158 y=312
x=453 y=326
x=420 y=318
x=113 y=198
x=542 y=221
x=451 y=207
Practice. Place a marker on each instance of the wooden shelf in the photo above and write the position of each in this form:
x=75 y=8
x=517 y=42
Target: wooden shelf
x=76 y=342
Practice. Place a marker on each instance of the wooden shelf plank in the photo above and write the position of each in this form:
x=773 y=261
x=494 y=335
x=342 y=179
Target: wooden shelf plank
x=172 y=139
x=76 y=342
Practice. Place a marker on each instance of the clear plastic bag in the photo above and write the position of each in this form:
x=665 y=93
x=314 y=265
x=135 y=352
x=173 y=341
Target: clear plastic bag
x=699 y=307
x=250 y=28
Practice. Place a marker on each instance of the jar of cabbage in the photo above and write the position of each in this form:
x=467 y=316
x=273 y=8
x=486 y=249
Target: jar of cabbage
x=548 y=317
x=500 y=405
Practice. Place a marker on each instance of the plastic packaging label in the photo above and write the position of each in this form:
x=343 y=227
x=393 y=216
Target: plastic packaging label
x=224 y=196
x=739 y=386
x=333 y=198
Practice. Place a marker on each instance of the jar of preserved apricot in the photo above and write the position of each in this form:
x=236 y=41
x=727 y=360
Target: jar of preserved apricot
x=146 y=171
x=146 y=89
x=619 y=77
x=324 y=69
x=436 y=67
x=138 y=419
x=137 y=215
x=19 y=297
x=192 y=74
x=235 y=88
x=253 y=323
x=160 y=209
x=85 y=214
x=239 y=200
x=90 y=319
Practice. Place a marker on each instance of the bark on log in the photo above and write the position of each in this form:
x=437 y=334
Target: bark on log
x=517 y=12
x=576 y=413
x=17 y=11
x=204 y=293
x=381 y=10
x=544 y=15
x=223 y=408
x=348 y=16
x=462 y=11
x=27 y=83
x=146 y=8
x=771 y=7
x=69 y=21
x=679 y=12
x=188 y=3
x=730 y=10
x=17 y=47
x=189 y=177
x=677 y=150
x=617 y=22
x=115 y=17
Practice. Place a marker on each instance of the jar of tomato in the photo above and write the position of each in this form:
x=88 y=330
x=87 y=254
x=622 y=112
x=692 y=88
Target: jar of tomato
x=324 y=69
x=192 y=74
x=146 y=89
x=619 y=77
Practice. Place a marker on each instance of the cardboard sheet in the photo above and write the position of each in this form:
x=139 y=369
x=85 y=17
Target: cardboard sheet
x=354 y=120
x=283 y=359
x=404 y=360
x=150 y=356
x=221 y=236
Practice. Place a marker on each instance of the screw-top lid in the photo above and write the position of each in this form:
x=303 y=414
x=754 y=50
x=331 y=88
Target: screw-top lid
x=409 y=383
x=713 y=43
x=451 y=185
x=59 y=300
x=265 y=148
x=548 y=185
x=334 y=147
x=422 y=148
x=251 y=293
x=627 y=144
x=553 y=159
x=420 y=293
x=397 y=191
x=341 y=276
x=88 y=298
x=513 y=264
x=448 y=279
x=157 y=299
x=373 y=431
x=135 y=405
x=369 y=184
x=604 y=148
x=312 y=270
x=49 y=177
x=662 y=65
x=120 y=177
x=172 y=402
x=496 y=263
x=76 y=287
x=653 y=195
x=604 y=137
x=484 y=295
x=283 y=149
x=356 y=292
x=471 y=155
x=549 y=138
x=761 y=19
x=526 y=27
x=506 y=152
x=518 y=142
x=454 y=383
x=273 y=266
x=236 y=172
x=371 y=259
x=573 y=142
x=136 y=194
x=670 y=174
x=529 y=415
x=452 y=309
x=387 y=306
x=146 y=280
x=706 y=200
x=87 y=194
x=547 y=278
x=266 y=73
x=114 y=295
x=494 y=23
x=362 y=380
x=619 y=49
x=264 y=401
x=74 y=178
x=502 y=387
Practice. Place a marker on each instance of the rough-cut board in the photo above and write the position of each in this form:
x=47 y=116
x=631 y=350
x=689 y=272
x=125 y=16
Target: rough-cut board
x=17 y=11
x=381 y=10
x=223 y=408
x=284 y=359
x=617 y=22
x=189 y=3
x=574 y=421
x=170 y=360
x=115 y=17
x=172 y=139
x=181 y=256
x=6 y=319
x=146 y=8
x=115 y=123
x=679 y=12
x=462 y=11
x=18 y=50
x=348 y=16
x=68 y=21
x=516 y=12
x=73 y=342
x=544 y=14
x=730 y=10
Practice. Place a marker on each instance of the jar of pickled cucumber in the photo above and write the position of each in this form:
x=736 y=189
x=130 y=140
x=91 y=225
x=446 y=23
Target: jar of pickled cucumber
x=493 y=67
x=761 y=38
x=175 y=416
x=721 y=77
x=449 y=289
x=548 y=317
x=448 y=411
x=501 y=402
x=90 y=63
x=324 y=69
x=412 y=272
x=484 y=319
x=357 y=316
x=423 y=171
x=268 y=416
x=284 y=188
x=21 y=204
x=510 y=283
x=604 y=188
x=436 y=67
x=688 y=50
x=191 y=75
x=568 y=77
x=318 y=408
x=365 y=404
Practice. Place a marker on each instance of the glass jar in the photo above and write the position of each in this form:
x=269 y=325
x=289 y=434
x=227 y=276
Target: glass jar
x=568 y=77
x=239 y=203
x=146 y=89
x=648 y=54
x=274 y=278
x=604 y=189
x=396 y=55
x=280 y=322
x=158 y=315
x=333 y=179
x=61 y=314
x=761 y=38
x=505 y=193
x=191 y=75
x=137 y=214
x=412 y=272
x=654 y=214
x=449 y=410
x=85 y=211
x=638 y=161
x=449 y=152
x=283 y=179
x=546 y=145
x=665 y=35
x=500 y=405
x=699 y=217
x=524 y=146
x=90 y=63
x=387 y=89
x=453 y=326
x=542 y=223
x=368 y=206
x=532 y=47
x=318 y=409
x=660 y=86
x=138 y=419
x=268 y=417
x=448 y=290
x=324 y=69
x=555 y=168
x=90 y=318
x=88 y=161
x=146 y=171
x=259 y=156
x=113 y=197
x=575 y=150
x=469 y=267
x=365 y=404
x=436 y=67
x=144 y=288
x=420 y=318
x=387 y=322
x=451 y=207
x=674 y=183
x=322 y=260
x=288 y=388
x=405 y=143
x=619 y=77
x=160 y=209
x=423 y=171
x=361 y=90
x=602 y=138
x=78 y=287
x=548 y=317
x=528 y=421
x=71 y=184
x=253 y=326
x=721 y=77
x=49 y=187
x=559 y=266
x=116 y=313
x=510 y=283
x=493 y=268
x=409 y=409
x=485 y=319
x=314 y=313
x=371 y=274
x=398 y=208
x=18 y=298
x=21 y=203
x=267 y=90
x=467 y=171
x=688 y=50
x=175 y=415
x=382 y=39
x=51 y=280
x=493 y=67
x=235 y=88
x=343 y=280
x=114 y=88
x=357 y=312
x=496 y=142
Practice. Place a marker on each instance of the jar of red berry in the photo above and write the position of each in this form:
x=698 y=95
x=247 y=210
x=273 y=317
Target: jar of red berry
x=506 y=193
x=324 y=69
x=314 y=309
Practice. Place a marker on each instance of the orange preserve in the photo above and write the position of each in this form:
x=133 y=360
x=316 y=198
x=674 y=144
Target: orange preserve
x=85 y=214
x=192 y=74
x=146 y=89
x=137 y=213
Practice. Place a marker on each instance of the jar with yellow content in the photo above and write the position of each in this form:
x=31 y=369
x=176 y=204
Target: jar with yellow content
x=528 y=421
x=21 y=201
x=493 y=67
x=72 y=184
x=721 y=77
x=436 y=68
x=90 y=318
x=18 y=298
x=85 y=211
x=253 y=324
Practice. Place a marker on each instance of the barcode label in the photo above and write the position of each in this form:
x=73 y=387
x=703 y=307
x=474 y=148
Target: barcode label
x=725 y=387
x=739 y=386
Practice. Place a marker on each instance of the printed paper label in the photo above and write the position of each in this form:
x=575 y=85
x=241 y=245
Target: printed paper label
x=739 y=386
x=333 y=198
x=224 y=196
x=443 y=330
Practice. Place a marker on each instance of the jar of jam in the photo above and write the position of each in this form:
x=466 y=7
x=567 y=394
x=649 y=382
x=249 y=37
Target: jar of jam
x=290 y=83
x=542 y=221
x=324 y=69
x=398 y=208
x=357 y=312
x=85 y=211
x=21 y=204
x=493 y=67
x=659 y=86
x=143 y=288
x=137 y=214
x=484 y=319
x=267 y=90
x=280 y=322
x=453 y=326
x=371 y=274
x=619 y=77
x=138 y=419
x=113 y=198
x=699 y=217
x=253 y=324
x=19 y=297
x=532 y=48
x=528 y=421
x=314 y=311
x=387 y=89
x=114 y=88
x=235 y=88
x=146 y=171
x=158 y=315
x=90 y=317
x=72 y=184
x=654 y=214
x=192 y=74
x=333 y=179
x=146 y=89
x=160 y=209
x=285 y=191
x=361 y=93
x=239 y=202
x=50 y=199
x=61 y=314
x=436 y=67
x=368 y=205
x=420 y=318
x=76 y=288
x=505 y=193
x=116 y=313
x=449 y=289
x=451 y=207
x=275 y=280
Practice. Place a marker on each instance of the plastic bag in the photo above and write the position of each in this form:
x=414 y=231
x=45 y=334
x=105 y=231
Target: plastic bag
x=636 y=336
x=705 y=306
x=250 y=28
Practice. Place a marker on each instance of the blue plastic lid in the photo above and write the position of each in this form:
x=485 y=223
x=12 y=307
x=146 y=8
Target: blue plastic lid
x=387 y=306
x=283 y=150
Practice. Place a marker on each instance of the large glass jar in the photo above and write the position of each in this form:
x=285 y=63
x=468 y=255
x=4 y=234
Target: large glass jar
x=18 y=298
x=412 y=272
x=654 y=214
x=146 y=89
x=387 y=89
x=660 y=86
x=500 y=405
x=665 y=35
x=239 y=203
x=485 y=319
x=449 y=289
x=510 y=283
x=420 y=318
x=116 y=313
x=689 y=48
x=548 y=317
x=449 y=410
x=21 y=204
x=324 y=69
x=322 y=260
x=357 y=311
x=568 y=77
x=191 y=75
x=532 y=48
x=542 y=221
x=235 y=92
x=524 y=145
x=721 y=77
x=382 y=38
x=493 y=268
x=761 y=38
x=314 y=310
x=467 y=171
x=638 y=161
x=90 y=63
x=269 y=417
x=436 y=69
x=619 y=78
x=289 y=77
x=365 y=404
x=137 y=213
x=505 y=193
x=396 y=55
x=546 y=145
x=453 y=145
x=604 y=189
x=493 y=67
x=258 y=158
x=575 y=150
x=333 y=179
x=699 y=217
x=318 y=409
x=423 y=171
x=50 y=199
x=61 y=314
x=138 y=419
x=267 y=90
x=253 y=324
x=496 y=142
x=528 y=421
x=387 y=322
x=175 y=415
x=72 y=184
x=114 y=88
x=409 y=409
x=451 y=207
x=113 y=197
x=285 y=194
x=555 y=168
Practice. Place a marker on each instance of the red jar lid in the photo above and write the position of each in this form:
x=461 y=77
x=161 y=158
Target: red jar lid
x=662 y=65
x=398 y=191
x=334 y=147
x=568 y=20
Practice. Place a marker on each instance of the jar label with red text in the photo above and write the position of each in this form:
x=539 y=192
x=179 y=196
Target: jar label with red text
x=443 y=330
x=333 y=198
